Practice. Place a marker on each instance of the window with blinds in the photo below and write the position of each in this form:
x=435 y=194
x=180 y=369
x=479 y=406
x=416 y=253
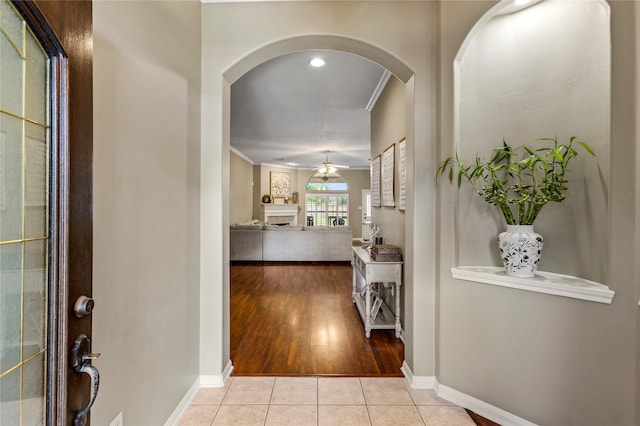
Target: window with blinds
x=327 y=209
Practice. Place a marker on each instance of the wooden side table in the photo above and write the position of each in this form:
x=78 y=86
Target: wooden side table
x=375 y=273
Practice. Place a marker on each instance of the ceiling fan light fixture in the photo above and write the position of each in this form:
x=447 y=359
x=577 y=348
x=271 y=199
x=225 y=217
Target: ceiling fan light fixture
x=327 y=169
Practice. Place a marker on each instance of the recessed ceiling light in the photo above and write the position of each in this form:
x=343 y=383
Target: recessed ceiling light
x=317 y=62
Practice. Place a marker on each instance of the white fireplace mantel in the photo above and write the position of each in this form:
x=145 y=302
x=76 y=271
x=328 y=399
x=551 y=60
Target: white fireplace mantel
x=279 y=212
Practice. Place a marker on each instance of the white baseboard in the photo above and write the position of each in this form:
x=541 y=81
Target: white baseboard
x=227 y=371
x=202 y=381
x=488 y=411
x=417 y=382
x=216 y=380
x=183 y=406
x=211 y=381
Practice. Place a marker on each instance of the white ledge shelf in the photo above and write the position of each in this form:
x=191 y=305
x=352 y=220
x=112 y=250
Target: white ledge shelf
x=543 y=282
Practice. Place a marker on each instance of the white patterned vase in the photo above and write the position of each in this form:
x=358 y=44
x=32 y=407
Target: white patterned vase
x=520 y=250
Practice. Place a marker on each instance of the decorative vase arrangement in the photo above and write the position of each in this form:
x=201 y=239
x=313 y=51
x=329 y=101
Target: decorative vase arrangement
x=520 y=250
x=520 y=182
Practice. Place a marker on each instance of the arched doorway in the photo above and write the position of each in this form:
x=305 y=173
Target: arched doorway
x=417 y=72
x=356 y=47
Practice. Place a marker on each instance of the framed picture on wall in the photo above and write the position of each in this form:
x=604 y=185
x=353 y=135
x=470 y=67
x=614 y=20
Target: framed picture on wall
x=280 y=184
x=388 y=162
x=375 y=182
x=402 y=169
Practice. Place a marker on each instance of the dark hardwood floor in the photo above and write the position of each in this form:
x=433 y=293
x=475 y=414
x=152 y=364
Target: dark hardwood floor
x=297 y=319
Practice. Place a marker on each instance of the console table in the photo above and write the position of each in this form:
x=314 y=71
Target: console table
x=374 y=273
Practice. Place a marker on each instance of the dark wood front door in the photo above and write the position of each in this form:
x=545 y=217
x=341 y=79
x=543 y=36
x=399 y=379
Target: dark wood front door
x=45 y=211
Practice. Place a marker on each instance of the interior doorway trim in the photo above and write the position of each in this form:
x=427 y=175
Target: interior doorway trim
x=314 y=42
x=252 y=59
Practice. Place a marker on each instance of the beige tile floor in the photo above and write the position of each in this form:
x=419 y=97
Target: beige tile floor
x=319 y=401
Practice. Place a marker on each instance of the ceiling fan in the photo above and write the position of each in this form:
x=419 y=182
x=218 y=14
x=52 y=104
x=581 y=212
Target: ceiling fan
x=329 y=167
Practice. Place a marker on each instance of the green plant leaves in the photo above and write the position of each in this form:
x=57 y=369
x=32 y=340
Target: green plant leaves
x=521 y=179
x=587 y=148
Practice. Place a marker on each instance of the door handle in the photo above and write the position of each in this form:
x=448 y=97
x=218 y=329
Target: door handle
x=80 y=361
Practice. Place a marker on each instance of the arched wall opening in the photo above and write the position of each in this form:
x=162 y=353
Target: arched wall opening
x=472 y=314
x=418 y=32
x=516 y=82
x=210 y=353
x=283 y=47
x=401 y=39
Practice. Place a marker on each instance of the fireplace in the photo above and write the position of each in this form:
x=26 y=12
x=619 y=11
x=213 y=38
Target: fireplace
x=280 y=214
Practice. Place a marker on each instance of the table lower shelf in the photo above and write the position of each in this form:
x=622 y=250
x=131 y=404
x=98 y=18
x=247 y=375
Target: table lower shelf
x=385 y=320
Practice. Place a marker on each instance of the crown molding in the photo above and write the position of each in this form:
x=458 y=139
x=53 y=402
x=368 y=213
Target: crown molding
x=386 y=75
x=241 y=155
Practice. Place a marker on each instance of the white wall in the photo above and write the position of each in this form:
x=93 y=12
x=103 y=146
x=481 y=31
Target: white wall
x=385 y=32
x=628 y=110
x=520 y=81
x=548 y=359
x=146 y=214
x=241 y=190
x=388 y=126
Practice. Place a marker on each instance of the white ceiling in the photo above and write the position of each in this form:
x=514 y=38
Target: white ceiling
x=285 y=111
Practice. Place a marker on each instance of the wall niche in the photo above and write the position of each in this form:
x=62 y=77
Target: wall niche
x=522 y=74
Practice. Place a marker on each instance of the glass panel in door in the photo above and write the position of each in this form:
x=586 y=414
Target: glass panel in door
x=24 y=220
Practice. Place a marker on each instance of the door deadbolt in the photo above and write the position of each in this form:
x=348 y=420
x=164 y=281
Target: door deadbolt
x=83 y=306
